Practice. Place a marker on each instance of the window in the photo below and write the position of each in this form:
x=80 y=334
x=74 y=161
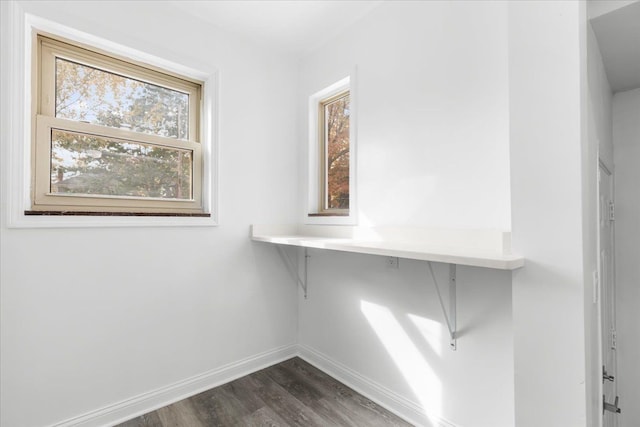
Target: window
x=113 y=135
x=334 y=147
x=331 y=155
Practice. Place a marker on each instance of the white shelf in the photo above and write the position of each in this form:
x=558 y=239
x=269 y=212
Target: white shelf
x=478 y=248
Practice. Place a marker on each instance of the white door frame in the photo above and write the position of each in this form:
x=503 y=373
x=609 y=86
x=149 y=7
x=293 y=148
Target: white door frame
x=606 y=296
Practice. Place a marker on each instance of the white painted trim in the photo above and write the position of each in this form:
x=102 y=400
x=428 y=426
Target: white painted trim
x=17 y=27
x=152 y=400
x=13 y=86
x=406 y=409
x=313 y=191
x=163 y=396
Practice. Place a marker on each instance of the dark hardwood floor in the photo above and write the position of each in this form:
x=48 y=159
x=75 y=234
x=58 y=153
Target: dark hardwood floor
x=291 y=393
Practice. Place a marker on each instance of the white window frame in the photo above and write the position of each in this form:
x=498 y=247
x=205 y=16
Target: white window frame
x=315 y=212
x=18 y=28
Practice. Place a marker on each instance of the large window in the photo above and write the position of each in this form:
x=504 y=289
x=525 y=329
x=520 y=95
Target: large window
x=113 y=135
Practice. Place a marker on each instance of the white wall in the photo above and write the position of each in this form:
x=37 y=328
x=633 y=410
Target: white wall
x=432 y=102
x=433 y=150
x=547 y=107
x=626 y=139
x=600 y=100
x=91 y=317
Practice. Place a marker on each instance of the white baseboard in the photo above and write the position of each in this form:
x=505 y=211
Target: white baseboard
x=150 y=401
x=393 y=402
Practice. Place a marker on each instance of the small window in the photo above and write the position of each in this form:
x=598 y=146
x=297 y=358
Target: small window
x=331 y=168
x=113 y=136
x=334 y=153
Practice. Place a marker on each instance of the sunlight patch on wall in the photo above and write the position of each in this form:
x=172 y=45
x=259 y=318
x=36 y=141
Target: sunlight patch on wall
x=382 y=200
x=410 y=362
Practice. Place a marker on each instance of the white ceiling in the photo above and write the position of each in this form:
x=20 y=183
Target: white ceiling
x=299 y=26
x=618 y=34
x=596 y=8
x=292 y=26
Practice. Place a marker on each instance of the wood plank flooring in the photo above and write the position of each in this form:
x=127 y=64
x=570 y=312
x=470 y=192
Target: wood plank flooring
x=291 y=393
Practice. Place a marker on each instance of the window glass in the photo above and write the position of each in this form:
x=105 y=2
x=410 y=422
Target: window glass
x=99 y=97
x=336 y=140
x=95 y=165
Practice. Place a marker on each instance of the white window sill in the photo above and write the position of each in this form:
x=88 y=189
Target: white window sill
x=76 y=221
x=330 y=220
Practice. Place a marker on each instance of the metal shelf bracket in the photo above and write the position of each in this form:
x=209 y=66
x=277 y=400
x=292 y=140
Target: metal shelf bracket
x=293 y=268
x=450 y=317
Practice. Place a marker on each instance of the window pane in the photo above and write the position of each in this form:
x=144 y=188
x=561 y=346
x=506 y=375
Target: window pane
x=336 y=115
x=95 y=96
x=89 y=164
